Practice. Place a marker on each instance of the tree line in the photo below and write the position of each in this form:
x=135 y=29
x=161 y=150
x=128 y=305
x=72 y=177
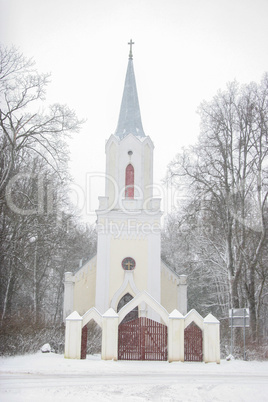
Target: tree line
x=218 y=231
x=40 y=233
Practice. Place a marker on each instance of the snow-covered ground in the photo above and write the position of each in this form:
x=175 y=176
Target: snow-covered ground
x=48 y=376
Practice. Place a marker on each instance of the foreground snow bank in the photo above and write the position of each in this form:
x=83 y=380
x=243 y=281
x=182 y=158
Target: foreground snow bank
x=52 y=363
x=47 y=375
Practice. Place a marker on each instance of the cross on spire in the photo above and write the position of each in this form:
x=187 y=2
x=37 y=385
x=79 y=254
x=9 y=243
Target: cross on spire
x=130 y=51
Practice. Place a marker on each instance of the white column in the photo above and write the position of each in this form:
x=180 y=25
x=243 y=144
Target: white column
x=182 y=294
x=73 y=333
x=103 y=269
x=68 y=306
x=154 y=264
x=211 y=341
x=176 y=337
x=109 y=349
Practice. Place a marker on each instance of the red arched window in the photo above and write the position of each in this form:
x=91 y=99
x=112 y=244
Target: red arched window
x=129 y=189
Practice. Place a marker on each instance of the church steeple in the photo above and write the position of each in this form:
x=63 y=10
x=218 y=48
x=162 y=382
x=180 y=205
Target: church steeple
x=130 y=117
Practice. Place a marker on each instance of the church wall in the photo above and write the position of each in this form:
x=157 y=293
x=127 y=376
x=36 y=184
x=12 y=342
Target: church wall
x=154 y=268
x=136 y=248
x=85 y=287
x=123 y=235
x=169 y=290
x=111 y=169
x=103 y=271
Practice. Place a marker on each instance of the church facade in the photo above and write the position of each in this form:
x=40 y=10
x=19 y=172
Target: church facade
x=128 y=259
x=138 y=301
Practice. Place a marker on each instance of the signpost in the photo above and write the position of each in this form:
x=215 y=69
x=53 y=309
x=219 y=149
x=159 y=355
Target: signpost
x=239 y=318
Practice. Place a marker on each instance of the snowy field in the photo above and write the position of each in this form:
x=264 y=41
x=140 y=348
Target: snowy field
x=48 y=376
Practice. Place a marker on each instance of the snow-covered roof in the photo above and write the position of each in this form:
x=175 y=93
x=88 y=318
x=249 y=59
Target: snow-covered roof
x=172 y=271
x=84 y=264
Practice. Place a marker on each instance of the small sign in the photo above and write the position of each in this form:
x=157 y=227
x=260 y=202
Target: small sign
x=239 y=317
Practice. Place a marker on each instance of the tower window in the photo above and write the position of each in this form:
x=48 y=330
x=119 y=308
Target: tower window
x=129 y=189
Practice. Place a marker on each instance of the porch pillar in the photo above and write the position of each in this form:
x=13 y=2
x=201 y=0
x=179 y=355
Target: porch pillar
x=211 y=340
x=73 y=333
x=68 y=294
x=182 y=294
x=109 y=348
x=176 y=337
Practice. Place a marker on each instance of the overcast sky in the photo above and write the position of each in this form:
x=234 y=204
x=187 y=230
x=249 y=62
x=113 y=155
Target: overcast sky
x=185 y=50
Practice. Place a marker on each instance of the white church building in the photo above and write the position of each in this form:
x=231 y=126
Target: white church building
x=126 y=281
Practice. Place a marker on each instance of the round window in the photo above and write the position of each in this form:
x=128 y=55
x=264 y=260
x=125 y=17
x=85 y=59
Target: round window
x=128 y=264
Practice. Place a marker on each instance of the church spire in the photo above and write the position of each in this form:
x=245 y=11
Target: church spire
x=130 y=117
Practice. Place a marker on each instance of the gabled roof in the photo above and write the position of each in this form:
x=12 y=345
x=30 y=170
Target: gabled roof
x=130 y=118
x=84 y=263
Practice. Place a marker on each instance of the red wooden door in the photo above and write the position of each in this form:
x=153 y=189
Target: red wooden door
x=142 y=339
x=193 y=343
x=84 y=343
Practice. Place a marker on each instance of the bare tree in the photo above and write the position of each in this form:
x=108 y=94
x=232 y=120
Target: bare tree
x=227 y=171
x=24 y=126
x=33 y=187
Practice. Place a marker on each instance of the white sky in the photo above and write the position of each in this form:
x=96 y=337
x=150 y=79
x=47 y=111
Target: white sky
x=185 y=50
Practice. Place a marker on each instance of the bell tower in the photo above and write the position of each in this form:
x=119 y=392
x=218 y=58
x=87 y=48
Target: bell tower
x=128 y=217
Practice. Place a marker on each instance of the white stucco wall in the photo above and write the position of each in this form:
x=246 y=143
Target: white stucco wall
x=111 y=172
x=121 y=235
x=169 y=285
x=85 y=286
x=173 y=290
x=136 y=248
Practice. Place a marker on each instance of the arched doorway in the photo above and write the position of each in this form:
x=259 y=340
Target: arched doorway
x=133 y=314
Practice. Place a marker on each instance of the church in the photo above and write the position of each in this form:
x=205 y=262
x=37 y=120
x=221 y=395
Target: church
x=126 y=287
x=128 y=258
